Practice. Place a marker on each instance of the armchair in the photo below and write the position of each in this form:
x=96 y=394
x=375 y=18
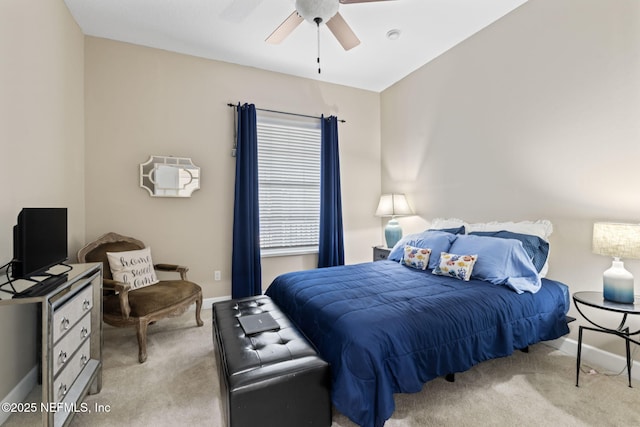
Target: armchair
x=124 y=306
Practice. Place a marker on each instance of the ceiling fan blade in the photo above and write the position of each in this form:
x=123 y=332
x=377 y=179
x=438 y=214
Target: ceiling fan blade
x=360 y=1
x=285 y=28
x=343 y=32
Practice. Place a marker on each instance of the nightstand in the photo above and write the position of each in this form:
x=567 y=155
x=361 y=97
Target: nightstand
x=380 y=253
x=70 y=341
x=596 y=300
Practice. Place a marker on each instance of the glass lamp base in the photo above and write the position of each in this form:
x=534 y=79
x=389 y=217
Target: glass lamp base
x=618 y=284
x=392 y=233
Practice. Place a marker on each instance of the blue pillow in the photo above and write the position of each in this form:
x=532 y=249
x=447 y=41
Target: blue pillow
x=437 y=241
x=500 y=261
x=456 y=230
x=536 y=247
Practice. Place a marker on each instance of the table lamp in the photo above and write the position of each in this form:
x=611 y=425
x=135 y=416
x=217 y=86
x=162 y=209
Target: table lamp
x=618 y=241
x=393 y=205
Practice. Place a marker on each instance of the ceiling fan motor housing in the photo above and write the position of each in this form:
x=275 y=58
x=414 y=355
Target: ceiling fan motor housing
x=311 y=10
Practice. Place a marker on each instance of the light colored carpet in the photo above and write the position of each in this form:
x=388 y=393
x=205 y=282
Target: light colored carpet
x=178 y=386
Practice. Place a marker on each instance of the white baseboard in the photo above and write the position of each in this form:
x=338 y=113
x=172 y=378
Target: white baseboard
x=208 y=302
x=20 y=391
x=594 y=356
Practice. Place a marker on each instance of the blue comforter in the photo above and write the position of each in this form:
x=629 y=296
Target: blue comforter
x=386 y=328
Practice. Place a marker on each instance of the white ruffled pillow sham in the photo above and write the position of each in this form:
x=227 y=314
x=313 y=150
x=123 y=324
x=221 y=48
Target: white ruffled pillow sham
x=541 y=228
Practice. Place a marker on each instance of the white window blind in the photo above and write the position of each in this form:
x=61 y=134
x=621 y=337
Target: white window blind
x=289 y=183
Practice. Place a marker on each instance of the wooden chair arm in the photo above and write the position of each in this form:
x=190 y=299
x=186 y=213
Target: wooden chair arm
x=123 y=294
x=173 y=267
x=114 y=285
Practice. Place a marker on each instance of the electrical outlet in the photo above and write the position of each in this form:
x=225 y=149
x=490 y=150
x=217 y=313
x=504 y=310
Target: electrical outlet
x=216 y=275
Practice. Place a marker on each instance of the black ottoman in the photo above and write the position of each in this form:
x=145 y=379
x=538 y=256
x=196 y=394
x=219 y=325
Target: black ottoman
x=270 y=379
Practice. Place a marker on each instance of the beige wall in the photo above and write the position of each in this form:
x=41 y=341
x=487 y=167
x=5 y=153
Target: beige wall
x=42 y=140
x=537 y=116
x=142 y=101
x=534 y=117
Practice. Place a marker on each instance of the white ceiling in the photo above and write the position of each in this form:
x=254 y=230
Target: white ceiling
x=234 y=31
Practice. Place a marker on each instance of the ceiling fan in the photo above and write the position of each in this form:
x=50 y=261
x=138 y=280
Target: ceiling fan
x=319 y=11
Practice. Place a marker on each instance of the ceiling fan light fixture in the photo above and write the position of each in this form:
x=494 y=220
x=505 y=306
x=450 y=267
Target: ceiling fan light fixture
x=312 y=9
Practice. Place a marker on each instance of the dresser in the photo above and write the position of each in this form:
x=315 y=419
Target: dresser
x=70 y=342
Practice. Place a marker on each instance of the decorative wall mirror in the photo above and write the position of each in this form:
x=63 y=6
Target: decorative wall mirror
x=166 y=176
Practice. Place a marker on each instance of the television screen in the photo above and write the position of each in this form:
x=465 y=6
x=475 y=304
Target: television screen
x=39 y=241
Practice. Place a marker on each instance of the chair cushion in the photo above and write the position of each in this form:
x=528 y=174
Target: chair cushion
x=150 y=299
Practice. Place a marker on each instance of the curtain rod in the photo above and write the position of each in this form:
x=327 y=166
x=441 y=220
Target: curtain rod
x=284 y=112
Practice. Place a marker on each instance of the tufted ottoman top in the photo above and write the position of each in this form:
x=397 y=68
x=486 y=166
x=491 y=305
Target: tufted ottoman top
x=264 y=355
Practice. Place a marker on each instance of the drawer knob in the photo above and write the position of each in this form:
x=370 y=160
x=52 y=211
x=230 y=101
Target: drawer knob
x=62 y=357
x=84 y=332
x=62 y=391
x=86 y=304
x=64 y=323
x=83 y=360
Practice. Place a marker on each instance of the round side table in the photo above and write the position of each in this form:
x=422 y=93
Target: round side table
x=596 y=300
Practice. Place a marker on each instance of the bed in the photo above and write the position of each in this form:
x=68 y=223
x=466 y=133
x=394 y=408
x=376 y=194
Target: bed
x=386 y=327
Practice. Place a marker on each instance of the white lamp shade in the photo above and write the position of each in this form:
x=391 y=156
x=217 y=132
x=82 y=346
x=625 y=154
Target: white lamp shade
x=312 y=9
x=616 y=240
x=393 y=205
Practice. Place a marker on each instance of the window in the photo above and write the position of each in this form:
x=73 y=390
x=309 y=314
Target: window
x=289 y=183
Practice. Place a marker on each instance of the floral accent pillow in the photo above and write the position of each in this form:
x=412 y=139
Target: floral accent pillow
x=133 y=267
x=457 y=266
x=416 y=257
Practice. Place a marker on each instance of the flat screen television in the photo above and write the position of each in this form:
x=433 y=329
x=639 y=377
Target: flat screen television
x=39 y=241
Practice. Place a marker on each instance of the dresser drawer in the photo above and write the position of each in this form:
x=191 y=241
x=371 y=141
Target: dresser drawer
x=65 y=317
x=62 y=384
x=63 y=350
